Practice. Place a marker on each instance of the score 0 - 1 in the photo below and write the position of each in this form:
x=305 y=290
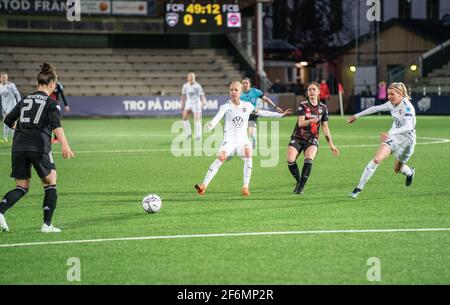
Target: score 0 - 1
x=179 y=7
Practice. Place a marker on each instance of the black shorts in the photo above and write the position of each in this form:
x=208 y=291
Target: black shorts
x=303 y=146
x=22 y=162
x=253 y=119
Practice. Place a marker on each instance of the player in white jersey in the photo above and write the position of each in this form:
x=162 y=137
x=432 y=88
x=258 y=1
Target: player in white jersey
x=236 y=113
x=401 y=138
x=9 y=96
x=192 y=100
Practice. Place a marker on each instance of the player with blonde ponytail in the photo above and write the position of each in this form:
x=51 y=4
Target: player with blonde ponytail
x=401 y=138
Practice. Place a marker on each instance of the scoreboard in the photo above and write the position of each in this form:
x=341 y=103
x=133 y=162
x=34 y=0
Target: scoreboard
x=202 y=16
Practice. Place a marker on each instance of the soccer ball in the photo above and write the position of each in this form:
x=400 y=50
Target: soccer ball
x=151 y=203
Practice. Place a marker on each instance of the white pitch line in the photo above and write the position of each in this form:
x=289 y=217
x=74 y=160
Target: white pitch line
x=62 y=242
x=432 y=141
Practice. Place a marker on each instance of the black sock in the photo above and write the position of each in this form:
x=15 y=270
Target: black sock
x=11 y=198
x=49 y=205
x=306 y=171
x=293 y=168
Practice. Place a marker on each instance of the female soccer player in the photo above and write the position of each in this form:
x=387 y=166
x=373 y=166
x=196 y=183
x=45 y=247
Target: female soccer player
x=192 y=100
x=58 y=95
x=252 y=95
x=400 y=140
x=237 y=113
x=9 y=96
x=34 y=118
x=305 y=138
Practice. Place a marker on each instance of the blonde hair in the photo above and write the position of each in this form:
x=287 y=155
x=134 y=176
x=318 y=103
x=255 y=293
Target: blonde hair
x=193 y=76
x=400 y=88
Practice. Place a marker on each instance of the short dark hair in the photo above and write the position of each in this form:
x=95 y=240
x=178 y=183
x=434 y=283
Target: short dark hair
x=247 y=78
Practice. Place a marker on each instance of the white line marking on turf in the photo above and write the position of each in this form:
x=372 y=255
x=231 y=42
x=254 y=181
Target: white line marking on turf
x=62 y=242
x=431 y=141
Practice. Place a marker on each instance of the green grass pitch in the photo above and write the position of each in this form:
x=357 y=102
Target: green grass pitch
x=119 y=161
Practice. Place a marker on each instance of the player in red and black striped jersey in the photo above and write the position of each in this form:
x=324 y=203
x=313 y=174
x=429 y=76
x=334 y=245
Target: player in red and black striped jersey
x=305 y=138
x=34 y=119
x=57 y=95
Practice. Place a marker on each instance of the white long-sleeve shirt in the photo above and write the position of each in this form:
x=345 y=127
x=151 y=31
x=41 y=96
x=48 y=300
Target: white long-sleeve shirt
x=404 y=115
x=9 y=96
x=236 y=119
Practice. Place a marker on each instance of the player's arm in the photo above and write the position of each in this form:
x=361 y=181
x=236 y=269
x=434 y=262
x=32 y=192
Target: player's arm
x=203 y=100
x=183 y=101
x=16 y=94
x=63 y=97
x=326 y=131
x=369 y=111
x=270 y=114
x=55 y=124
x=11 y=118
x=220 y=114
x=267 y=100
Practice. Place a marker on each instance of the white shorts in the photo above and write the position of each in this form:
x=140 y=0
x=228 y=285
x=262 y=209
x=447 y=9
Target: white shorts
x=7 y=108
x=402 y=150
x=195 y=107
x=232 y=148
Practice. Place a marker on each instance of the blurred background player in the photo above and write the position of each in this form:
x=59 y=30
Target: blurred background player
x=305 y=138
x=34 y=118
x=9 y=96
x=237 y=113
x=58 y=95
x=400 y=140
x=192 y=100
x=252 y=95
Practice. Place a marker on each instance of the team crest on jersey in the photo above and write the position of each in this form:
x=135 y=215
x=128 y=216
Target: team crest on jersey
x=238 y=122
x=172 y=19
x=320 y=111
x=244 y=109
x=400 y=112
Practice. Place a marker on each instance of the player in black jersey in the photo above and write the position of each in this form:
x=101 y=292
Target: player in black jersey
x=34 y=119
x=305 y=138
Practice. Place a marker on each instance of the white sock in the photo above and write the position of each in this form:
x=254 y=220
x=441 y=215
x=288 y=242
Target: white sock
x=253 y=139
x=187 y=128
x=212 y=171
x=248 y=164
x=406 y=170
x=5 y=131
x=198 y=129
x=368 y=172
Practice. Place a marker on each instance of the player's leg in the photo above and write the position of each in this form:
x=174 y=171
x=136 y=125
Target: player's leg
x=310 y=155
x=198 y=124
x=5 y=128
x=46 y=169
x=5 y=134
x=21 y=171
x=186 y=124
x=215 y=166
x=252 y=131
x=294 y=149
x=248 y=165
x=400 y=163
x=383 y=152
x=50 y=201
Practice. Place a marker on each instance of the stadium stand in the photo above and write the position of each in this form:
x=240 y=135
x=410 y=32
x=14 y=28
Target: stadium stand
x=122 y=72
